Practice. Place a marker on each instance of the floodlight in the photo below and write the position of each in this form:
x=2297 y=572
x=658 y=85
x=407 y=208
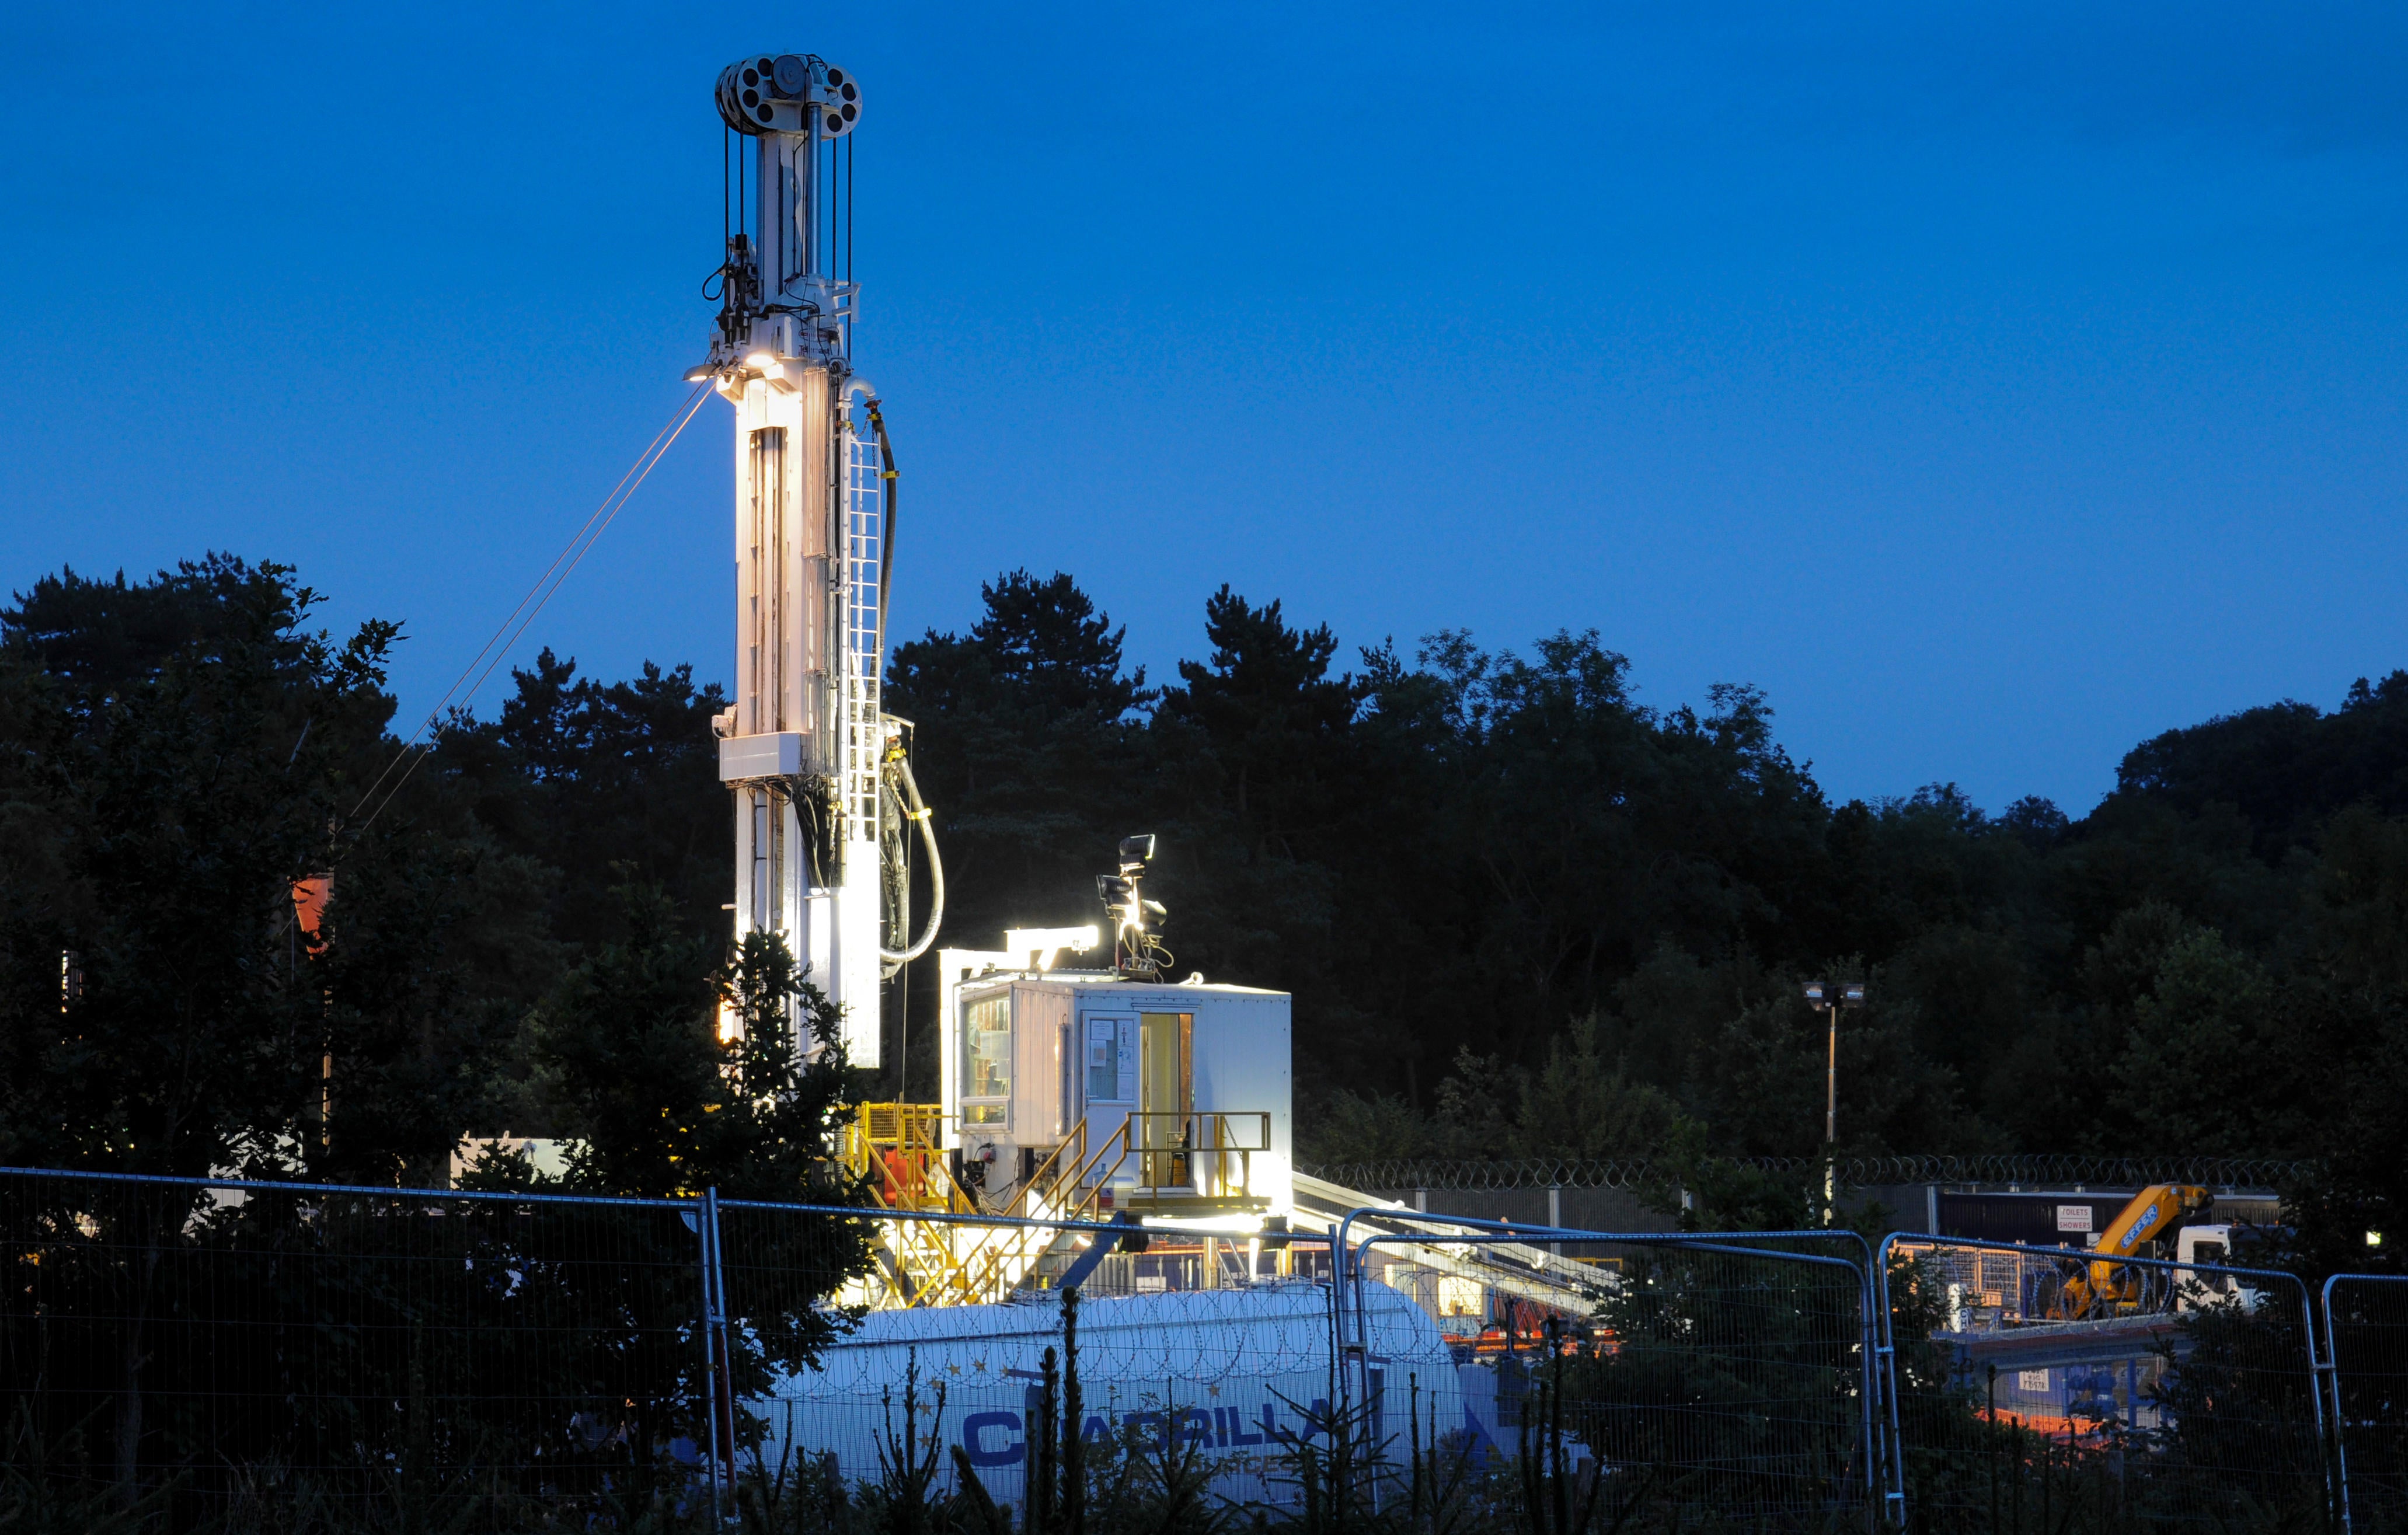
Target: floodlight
x=1853 y=994
x=1138 y=849
x=1815 y=994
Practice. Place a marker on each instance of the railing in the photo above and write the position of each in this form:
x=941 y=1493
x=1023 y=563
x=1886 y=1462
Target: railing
x=1205 y=1153
x=892 y=1149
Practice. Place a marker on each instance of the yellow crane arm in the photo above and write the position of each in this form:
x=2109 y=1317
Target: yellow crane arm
x=2155 y=1211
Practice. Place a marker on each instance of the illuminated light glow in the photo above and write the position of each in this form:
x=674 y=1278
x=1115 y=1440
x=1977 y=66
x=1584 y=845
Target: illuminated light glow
x=731 y=1023
x=1043 y=946
x=1214 y=1226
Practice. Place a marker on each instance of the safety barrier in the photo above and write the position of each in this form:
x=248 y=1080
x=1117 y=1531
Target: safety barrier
x=1718 y=1380
x=2190 y=1396
x=2366 y=1350
x=221 y=1353
x=215 y=1353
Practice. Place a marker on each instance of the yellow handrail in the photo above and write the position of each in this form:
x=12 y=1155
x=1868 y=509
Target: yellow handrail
x=892 y=1149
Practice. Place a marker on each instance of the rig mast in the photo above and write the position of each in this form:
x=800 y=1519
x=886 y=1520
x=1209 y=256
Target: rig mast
x=821 y=787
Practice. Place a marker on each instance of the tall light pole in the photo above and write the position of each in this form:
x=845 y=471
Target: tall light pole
x=1828 y=1001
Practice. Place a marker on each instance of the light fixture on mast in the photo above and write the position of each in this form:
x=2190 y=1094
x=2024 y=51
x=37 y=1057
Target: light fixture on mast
x=1830 y=999
x=1137 y=953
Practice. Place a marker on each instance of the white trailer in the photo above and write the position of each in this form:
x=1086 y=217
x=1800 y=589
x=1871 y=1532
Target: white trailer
x=1241 y=1374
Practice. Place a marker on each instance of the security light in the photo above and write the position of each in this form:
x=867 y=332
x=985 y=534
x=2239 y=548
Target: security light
x=1136 y=952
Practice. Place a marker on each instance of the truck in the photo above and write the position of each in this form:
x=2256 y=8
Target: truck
x=2101 y=1287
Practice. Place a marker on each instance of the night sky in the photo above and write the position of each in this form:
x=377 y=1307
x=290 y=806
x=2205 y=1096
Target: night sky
x=1993 y=386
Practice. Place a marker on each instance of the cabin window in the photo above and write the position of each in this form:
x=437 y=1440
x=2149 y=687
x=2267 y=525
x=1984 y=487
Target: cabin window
x=986 y=1063
x=1112 y=1060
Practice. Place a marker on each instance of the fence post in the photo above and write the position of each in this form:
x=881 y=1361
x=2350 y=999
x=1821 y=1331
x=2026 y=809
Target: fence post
x=2340 y=1460
x=1894 y=1484
x=2336 y=1494
x=714 y=1349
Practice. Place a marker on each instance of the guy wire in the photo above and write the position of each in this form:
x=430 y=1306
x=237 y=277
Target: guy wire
x=538 y=595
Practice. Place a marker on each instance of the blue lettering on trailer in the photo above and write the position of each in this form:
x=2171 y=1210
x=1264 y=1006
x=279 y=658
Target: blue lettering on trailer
x=974 y=1429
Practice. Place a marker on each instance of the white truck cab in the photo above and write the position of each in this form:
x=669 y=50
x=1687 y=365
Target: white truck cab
x=2208 y=1247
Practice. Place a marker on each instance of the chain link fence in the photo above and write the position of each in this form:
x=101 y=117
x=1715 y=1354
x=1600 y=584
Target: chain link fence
x=2040 y=1388
x=1645 y=1381
x=216 y=1354
x=2366 y=1343
x=193 y=1354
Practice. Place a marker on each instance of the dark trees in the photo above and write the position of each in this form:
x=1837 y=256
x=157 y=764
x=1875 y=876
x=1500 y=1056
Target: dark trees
x=1609 y=903
x=178 y=753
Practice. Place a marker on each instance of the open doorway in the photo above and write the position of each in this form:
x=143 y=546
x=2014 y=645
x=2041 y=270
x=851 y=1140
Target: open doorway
x=1167 y=1101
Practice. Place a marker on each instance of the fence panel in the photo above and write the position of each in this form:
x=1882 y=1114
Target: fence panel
x=2043 y=1389
x=1133 y=1400
x=2366 y=1342
x=280 y=1354
x=1638 y=1381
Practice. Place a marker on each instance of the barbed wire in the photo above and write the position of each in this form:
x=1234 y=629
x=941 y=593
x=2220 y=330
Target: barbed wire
x=1630 y=1172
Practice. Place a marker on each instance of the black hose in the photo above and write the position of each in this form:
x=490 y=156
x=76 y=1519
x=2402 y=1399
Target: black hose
x=914 y=809
x=886 y=543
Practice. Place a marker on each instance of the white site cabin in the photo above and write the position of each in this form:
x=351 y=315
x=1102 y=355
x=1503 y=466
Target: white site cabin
x=1173 y=1101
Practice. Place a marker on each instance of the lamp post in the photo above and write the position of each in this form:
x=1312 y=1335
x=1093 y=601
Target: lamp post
x=1828 y=999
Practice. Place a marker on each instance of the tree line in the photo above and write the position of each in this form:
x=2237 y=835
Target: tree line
x=1521 y=912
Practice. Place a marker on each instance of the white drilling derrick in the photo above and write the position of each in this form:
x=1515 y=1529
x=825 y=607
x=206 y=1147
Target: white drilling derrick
x=821 y=789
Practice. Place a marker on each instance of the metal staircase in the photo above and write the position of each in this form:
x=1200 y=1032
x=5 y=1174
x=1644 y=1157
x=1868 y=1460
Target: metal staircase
x=1180 y=1165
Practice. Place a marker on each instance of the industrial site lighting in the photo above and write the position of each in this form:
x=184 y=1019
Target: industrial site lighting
x=1826 y=998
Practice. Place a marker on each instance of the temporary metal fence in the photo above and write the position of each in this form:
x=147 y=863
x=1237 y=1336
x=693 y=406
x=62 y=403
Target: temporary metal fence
x=218 y=1353
x=2366 y=1348
x=1719 y=1379
x=229 y=1355
x=2056 y=1389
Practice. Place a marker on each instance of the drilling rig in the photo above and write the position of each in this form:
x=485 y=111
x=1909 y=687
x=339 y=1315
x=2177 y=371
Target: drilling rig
x=820 y=774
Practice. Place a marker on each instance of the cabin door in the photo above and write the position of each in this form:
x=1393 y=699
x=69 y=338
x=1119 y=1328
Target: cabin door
x=1167 y=1101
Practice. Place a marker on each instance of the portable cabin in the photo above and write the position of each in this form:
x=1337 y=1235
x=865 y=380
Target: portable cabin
x=1077 y=1092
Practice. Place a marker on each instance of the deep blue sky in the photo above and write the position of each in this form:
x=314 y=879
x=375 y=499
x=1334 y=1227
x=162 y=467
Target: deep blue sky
x=1995 y=386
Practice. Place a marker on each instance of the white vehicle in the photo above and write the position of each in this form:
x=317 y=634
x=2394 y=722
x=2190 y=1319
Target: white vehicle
x=1240 y=1373
x=2213 y=1245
